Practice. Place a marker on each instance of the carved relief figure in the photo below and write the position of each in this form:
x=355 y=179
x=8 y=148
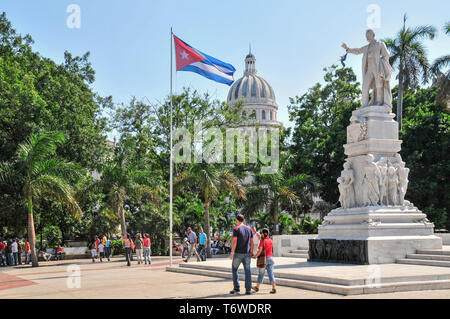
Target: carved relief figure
x=347 y=194
x=403 y=173
x=382 y=180
x=370 y=182
x=392 y=185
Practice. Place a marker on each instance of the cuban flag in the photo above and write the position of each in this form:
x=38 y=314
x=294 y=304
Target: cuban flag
x=190 y=59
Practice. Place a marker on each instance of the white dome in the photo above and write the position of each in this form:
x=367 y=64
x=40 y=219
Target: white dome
x=255 y=93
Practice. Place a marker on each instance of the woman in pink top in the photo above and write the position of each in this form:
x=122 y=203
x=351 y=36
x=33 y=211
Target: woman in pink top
x=127 y=243
x=267 y=244
x=147 y=249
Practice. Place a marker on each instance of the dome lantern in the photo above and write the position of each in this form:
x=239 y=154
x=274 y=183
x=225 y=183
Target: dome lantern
x=256 y=95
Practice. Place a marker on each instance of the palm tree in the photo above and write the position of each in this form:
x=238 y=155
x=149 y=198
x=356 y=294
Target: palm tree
x=277 y=192
x=41 y=174
x=123 y=176
x=209 y=180
x=409 y=56
x=443 y=61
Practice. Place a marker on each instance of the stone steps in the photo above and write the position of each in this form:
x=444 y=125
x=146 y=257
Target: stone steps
x=327 y=284
x=295 y=255
x=434 y=251
x=425 y=262
x=299 y=251
x=428 y=257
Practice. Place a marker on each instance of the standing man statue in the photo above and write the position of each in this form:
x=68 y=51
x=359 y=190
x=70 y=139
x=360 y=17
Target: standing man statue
x=376 y=71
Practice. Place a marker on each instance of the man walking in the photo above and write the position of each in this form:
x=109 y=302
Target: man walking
x=15 y=252
x=203 y=240
x=27 y=250
x=241 y=252
x=192 y=238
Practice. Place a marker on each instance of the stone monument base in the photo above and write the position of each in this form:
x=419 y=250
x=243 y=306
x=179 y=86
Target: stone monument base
x=372 y=235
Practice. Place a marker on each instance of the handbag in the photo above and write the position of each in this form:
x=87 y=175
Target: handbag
x=261 y=259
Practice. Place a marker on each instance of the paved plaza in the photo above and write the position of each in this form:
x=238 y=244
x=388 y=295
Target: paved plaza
x=116 y=280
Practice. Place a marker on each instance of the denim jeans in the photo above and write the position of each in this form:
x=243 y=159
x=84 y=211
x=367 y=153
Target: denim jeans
x=147 y=254
x=269 y=267
x=202 y=251
x=185 y=250
x=27 y=258
x=245 y=260
x=2 y=260
x=11 y=261
x=108 y=252
x=128 y=254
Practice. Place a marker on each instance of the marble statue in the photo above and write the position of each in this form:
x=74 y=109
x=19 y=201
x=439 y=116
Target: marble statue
x=370 y=182
x=347 y=195
x=383 y=180
x=376 y=71
x=392 y=185
x=403 y=173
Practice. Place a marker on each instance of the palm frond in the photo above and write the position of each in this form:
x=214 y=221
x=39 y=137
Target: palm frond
x=56 y=187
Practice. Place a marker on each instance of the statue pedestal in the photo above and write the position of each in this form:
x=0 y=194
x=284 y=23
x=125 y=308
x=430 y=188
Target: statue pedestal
x=381 y=234
x=375 y=225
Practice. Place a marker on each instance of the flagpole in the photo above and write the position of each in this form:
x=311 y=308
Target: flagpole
x=171 y=172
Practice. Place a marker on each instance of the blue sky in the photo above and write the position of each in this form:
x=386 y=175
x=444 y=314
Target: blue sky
x=293 y=41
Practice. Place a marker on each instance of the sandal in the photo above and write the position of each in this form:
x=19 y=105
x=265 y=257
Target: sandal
x=256 y=289
x=273 y=291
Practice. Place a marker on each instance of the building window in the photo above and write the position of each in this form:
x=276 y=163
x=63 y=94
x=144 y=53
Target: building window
x=271 y=115
x=263 y=115
x=253 y=90
x=244 y=88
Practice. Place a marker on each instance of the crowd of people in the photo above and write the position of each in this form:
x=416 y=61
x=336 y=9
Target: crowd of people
x=103 y=248
x=247 y=243
x=12 y=252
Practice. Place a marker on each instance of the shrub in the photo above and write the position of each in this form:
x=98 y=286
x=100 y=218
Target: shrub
x=52 y=236
x=117 y=246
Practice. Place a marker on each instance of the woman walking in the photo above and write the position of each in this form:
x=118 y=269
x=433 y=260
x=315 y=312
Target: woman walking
x=266 y=247
x=127 y=243
x=147 y=249
x=139 y=243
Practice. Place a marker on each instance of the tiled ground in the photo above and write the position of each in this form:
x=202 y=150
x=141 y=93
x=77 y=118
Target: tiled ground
x=116 y=280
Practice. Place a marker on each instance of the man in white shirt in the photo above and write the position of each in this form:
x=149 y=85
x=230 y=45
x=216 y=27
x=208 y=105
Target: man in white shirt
x=15 y=252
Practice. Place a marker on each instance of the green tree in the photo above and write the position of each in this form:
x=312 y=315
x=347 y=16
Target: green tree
x=320 y=118
x=124 y=176
x=409 y=56
x=41 y=174
x=279 y=192
x=426 y=141
x=209 y=180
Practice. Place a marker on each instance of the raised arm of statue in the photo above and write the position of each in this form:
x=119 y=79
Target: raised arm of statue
x=353 y=50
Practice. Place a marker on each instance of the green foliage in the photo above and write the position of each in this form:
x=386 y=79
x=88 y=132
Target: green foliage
x=307 y=225
x=426 y=141
x=117 y=246
x=320 y=119
x=52 y=235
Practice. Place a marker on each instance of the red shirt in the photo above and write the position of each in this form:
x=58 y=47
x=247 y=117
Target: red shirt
x=146 y=242
x=97 y=242
x=2 y=246
x=27 y=247
x=268 y=243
